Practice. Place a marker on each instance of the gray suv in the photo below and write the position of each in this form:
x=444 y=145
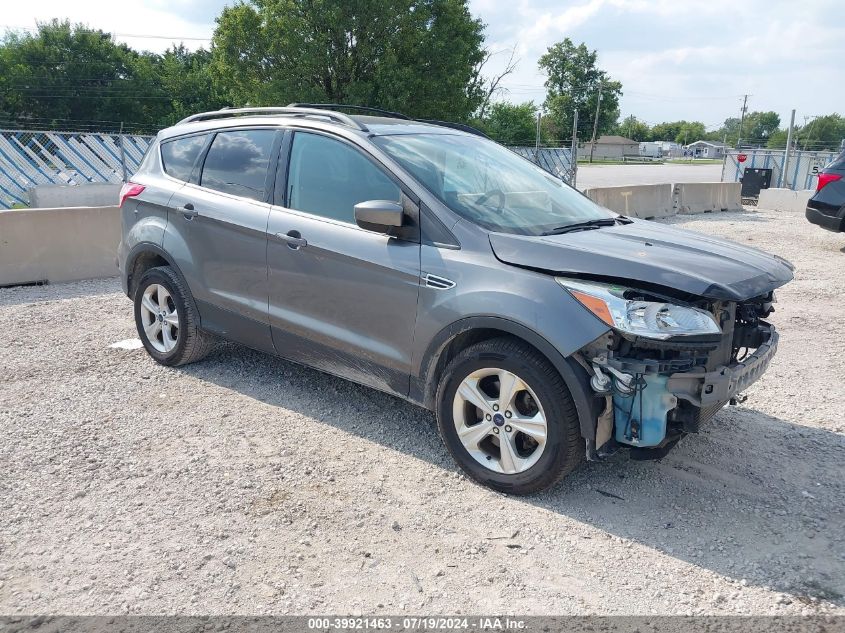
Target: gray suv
x=424 y=260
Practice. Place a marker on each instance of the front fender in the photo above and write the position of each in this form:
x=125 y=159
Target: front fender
x=573 y=374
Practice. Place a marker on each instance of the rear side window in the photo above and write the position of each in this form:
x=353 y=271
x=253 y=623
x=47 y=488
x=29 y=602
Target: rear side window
x=328 y=178
x=237 y=163
x=180 y=156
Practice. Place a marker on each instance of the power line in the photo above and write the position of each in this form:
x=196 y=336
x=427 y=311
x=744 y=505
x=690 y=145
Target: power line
x=149 y=36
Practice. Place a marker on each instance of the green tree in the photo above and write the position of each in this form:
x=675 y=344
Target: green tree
x=186 y=77
x=73 y=77
x=777 y=139
x=634 y=129
x=679 y=131
x=417 y=56
x=690 y=132
x=65 y=75
x=573 y=81
x=822 y=133
x=666 y=131
x=512 y=124
x=759 y=126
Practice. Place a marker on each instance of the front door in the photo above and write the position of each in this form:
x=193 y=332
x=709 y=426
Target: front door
x=342 y=299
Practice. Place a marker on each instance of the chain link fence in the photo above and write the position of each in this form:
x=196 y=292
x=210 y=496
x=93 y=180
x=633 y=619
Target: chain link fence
x=555 y=160
x=801 y=169
x=29 y=158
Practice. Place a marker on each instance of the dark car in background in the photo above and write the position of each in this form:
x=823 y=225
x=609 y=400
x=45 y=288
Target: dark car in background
x=827 y=207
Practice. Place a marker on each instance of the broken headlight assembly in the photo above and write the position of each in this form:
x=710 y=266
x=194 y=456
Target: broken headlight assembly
x=640 y=318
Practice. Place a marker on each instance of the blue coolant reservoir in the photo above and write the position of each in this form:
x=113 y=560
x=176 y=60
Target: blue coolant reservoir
x=646 y=426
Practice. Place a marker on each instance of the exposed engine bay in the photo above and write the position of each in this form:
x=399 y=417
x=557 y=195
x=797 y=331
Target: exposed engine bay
x=656 y=388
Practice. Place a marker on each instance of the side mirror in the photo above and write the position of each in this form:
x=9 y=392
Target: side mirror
x=379 y=215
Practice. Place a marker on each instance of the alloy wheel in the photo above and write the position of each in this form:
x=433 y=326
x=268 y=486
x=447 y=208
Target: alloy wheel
x=500 y=420
x=160 y=318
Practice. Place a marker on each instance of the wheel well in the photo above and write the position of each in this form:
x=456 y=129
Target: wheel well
x=455 y=346
x=141 y=264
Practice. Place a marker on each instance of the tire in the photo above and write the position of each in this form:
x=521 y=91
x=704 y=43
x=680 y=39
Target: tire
x=178 y=339
x=481 y=370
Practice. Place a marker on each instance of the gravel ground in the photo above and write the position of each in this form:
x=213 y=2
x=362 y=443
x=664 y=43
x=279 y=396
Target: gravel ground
x=597 y=175
x=245 y=484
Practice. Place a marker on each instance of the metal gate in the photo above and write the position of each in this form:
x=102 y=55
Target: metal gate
x=29 y=158
x=801 y=169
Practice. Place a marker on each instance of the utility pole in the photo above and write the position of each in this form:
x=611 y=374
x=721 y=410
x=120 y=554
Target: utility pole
x=574 y=150
x=537 y=142
x=595 y=124
x=807 y=136
x=742 y=118
x=782 y=182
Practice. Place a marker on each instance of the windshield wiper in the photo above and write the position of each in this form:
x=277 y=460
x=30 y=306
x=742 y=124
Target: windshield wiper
x=582 y=226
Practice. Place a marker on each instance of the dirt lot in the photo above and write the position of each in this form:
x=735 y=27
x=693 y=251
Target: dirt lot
x=245 y=484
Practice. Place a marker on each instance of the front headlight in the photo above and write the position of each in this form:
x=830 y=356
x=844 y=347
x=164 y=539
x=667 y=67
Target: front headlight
x=650 y=319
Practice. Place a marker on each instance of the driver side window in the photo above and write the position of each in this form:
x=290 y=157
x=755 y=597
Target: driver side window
x=328 y=178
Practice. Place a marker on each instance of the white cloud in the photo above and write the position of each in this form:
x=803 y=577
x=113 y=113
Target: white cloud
x=683 y=59
x=676 y=58
x=148 y=17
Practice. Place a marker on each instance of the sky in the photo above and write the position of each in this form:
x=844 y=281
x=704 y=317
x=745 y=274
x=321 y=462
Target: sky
x=676 y=59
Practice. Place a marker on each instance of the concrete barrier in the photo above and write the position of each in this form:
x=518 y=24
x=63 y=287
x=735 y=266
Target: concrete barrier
x=703 y=197
x=784 y=199
x=94 y=194
x=639 y=201
x=55 y=245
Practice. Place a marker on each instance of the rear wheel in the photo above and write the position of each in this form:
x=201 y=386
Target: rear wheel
x=166 y=319
x=507 y=417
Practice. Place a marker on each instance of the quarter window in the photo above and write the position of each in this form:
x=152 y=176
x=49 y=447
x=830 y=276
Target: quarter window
x=179 y=157
x=237 y=163
x=328 y=178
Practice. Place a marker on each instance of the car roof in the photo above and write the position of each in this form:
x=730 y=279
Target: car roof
x=365 y=125
x=382 y=125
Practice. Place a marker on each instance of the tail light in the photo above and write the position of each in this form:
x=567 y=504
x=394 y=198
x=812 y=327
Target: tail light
x=826 y=179
x=130 y=190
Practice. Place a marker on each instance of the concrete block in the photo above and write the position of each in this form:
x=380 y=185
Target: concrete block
x=638 y=201
x=703 y=197
x=93 y=194
x=65 y=244
x=784 y=199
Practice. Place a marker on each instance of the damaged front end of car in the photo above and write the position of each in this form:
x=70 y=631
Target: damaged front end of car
x=669 y=363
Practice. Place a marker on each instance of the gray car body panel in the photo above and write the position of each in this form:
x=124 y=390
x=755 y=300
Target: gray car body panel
x=356 y=303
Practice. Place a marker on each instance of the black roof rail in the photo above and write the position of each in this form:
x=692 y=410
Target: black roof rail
x=393 y=115
x=463 y=127
x=225 y=113
x=356 y=108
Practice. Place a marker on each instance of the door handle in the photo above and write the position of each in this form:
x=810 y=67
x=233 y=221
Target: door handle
x=294 y=239
x=188 y=212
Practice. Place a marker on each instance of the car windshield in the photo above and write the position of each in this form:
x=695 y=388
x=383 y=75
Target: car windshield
x=490 y=185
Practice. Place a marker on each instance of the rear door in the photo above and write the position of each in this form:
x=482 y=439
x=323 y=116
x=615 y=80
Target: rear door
x=220 y=231
x=342 y=299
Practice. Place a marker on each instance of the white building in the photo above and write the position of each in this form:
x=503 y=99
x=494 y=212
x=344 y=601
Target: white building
x=706 y=149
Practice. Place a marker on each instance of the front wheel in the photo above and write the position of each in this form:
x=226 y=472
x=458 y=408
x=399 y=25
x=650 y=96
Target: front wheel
x=507 y=417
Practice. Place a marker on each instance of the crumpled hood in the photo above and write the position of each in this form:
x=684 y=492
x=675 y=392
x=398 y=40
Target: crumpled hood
x=651 y=253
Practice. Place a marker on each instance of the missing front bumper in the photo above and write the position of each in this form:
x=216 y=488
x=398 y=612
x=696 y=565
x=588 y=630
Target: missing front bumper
x=709 y=389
